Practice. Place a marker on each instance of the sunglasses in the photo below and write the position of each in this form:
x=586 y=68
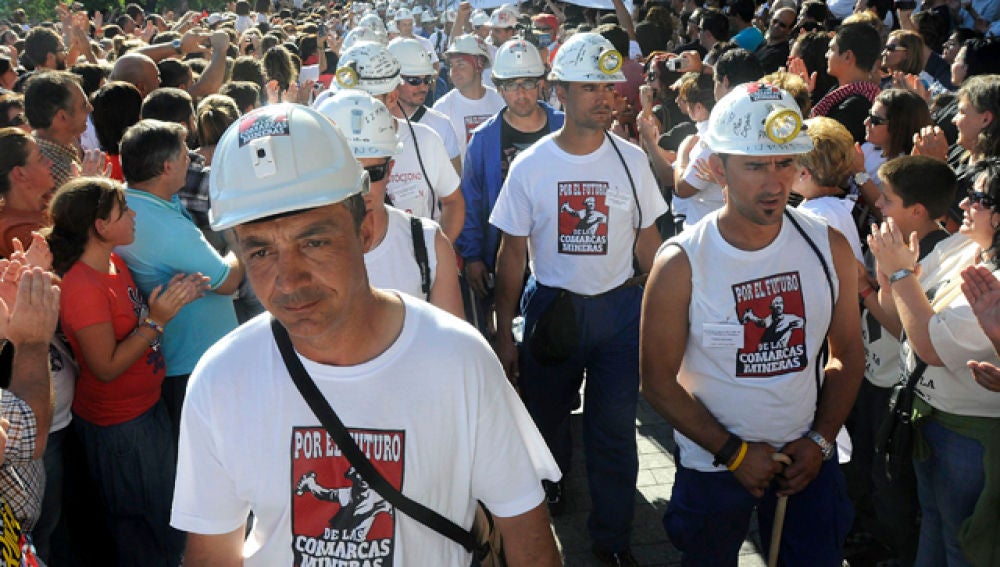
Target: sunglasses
x=877 y=120
x=982 y=199
x=525 y=84
x=894 y=48
x=378 y=172
x=417 y=81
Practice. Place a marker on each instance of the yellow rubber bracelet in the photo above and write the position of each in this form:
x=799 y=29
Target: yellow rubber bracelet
x=739 y=457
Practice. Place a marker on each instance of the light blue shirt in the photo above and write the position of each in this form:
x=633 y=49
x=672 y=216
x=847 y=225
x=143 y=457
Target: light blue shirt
x=168 y=242
x=749 y=38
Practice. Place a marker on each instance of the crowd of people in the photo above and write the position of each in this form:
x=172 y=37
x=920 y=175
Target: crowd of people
x=773 y=220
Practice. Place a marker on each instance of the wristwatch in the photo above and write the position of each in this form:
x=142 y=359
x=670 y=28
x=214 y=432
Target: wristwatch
x=824 y=446
x=861 y=177
x=176 y=44
x=899 y=274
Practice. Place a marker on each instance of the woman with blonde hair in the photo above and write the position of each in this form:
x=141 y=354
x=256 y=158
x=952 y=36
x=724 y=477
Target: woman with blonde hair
x=822 y=181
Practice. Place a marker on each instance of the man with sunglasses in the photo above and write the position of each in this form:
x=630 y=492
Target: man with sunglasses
x=417 y=74
x=407 y=253
x=422 y=176
x=517 y=72
x=773 y=53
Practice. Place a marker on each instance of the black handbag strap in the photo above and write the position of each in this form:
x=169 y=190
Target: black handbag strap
x=350 y=449
x=420 y=253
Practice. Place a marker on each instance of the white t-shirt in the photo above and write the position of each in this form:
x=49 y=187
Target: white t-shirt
x=749 y=361
x=465 y=113
x=955 y=334
x=578 y=212
x=434 y=413
x=392 y=264
x=836 y=212
x=442 y=125
x=407 y=188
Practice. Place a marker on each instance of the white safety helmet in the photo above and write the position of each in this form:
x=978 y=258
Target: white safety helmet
x=427 y=17
x=479 y=18
x=755 y=119
x=359 y=34
x=470 y=44
x=368 y=66
x=391 y=28
x=278 y=159
x=403 y=14
x=503 y=17
x=517 y=58
x=417 y=10
x=414 y=61
x=588 y=58
x=372 y=22
x=449 y=16
x=368 y=125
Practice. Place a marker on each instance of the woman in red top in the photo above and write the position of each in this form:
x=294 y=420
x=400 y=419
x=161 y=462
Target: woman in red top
x=115 y=336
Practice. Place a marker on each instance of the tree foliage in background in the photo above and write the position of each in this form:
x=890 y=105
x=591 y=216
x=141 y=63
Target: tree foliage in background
x=42 y=10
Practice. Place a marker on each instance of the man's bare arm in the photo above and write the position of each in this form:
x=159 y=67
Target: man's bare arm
x=453 y=214
x=663 y=333
x=222 y=550
x=215 y=73
x=528 y=540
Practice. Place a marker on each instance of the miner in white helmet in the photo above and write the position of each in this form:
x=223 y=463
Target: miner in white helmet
x=416 y=388
x=405 y=22
x=471 y=102
x=408 y=253
x=518 y=72
x=417 y=82
x=587 y=276
x=717 y=302
x=423 y=182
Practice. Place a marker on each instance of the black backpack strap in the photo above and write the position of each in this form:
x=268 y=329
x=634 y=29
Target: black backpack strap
x=824 y=350
x=420 y=252
x=417 y=116
x=420 y=159
x=310 y=392
x=635 y=195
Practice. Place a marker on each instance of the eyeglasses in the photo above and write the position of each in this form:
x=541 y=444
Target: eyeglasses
x=877 y=120
x=417 y=81
x=525 y=84
x=378 y=172
x=982 y=199
x=894 y=48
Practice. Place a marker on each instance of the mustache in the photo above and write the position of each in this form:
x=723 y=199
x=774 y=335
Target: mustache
x=298 y=297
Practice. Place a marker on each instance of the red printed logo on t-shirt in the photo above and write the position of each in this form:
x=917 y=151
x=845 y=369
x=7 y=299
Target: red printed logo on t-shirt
x=774 y=318
x=471 y=122
x=337 y=518
x=583 y=217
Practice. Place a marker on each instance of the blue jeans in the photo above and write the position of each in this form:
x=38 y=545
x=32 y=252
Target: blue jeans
x=708 y=518
x=133 y=465
x=948 y=486
x=608 y=350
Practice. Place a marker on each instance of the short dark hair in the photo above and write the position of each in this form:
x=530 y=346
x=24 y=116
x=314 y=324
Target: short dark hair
x=91 y=75
x=921 y=179
x=616 y=35
x=242 y=8
x=173 y=72
x=714 y=22
x=146 y=145
x=117 y=106
x=863 y=41
x=134 y=10
x=168 y=104
x=739 y=66
x=743 y=9
x=39 y=42
x=247 y=68
x=45 y=94
x=246 y=94
x=982 y=57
